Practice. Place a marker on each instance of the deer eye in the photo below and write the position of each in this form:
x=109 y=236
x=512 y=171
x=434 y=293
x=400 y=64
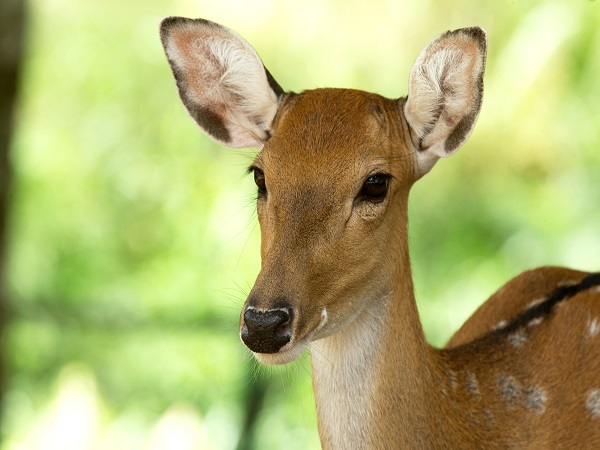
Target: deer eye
x=375 y=188
x=259 y=179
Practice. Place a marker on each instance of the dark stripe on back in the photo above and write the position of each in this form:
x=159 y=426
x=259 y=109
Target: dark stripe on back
x=480 y=347
x=562 y=293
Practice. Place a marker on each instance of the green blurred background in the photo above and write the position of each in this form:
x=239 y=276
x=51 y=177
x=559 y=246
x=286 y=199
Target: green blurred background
x=132 y=240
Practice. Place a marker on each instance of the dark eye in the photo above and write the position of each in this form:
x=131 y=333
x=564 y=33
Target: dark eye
x=375 y=188
x=259 y=179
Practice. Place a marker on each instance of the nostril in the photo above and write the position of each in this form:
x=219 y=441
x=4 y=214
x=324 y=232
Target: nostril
x=285 y=328
x=267 y=331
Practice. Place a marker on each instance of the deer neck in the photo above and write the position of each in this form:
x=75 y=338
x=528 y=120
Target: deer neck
x=373 y=380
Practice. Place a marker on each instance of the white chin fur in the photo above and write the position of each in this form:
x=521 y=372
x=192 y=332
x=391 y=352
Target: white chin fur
x=283 y=356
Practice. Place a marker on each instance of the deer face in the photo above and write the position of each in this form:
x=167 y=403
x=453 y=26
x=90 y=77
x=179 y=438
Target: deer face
x=332 y=185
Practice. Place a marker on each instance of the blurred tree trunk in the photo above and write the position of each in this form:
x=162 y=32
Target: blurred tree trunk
x=256 y=391
x=12 y=27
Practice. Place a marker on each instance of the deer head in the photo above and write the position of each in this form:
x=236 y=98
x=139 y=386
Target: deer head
x=333 y=172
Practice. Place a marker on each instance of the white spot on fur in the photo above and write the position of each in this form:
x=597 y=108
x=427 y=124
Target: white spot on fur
x=500 y=325
x=509 y=389
x=474 y=417
x=536 y=399
x=560 y=305
x=592 y=403
x=535 y=302
x=452 y=381
x=441 y=384
x=471 y=384
x=568 y=283
x=517 y=338
x=535 y=322
x=593 y=328
x=323 y=318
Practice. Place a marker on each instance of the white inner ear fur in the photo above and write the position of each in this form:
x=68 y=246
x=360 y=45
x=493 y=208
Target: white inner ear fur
x=224 y=74
x=243 y=88
x=444 y=88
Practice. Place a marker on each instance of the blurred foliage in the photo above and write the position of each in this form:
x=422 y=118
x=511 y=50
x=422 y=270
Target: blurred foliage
x=133 y=237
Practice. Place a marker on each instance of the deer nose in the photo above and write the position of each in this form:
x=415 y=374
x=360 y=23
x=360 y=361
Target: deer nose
x=266 y=331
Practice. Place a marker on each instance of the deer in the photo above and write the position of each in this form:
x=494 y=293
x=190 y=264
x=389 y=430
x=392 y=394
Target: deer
x=333 y=172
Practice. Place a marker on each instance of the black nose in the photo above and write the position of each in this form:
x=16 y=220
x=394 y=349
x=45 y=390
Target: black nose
x=266 y=331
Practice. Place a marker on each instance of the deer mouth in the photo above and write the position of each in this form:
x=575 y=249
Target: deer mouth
x=283 y=345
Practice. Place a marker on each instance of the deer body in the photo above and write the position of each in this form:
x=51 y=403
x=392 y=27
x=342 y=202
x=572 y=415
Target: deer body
x=333 y=174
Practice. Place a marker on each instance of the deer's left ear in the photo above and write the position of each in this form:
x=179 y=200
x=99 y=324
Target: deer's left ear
x=445 y=91
x=222 y=82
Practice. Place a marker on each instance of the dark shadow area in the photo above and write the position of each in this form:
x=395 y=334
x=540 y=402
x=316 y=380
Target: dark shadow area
x=12 y=31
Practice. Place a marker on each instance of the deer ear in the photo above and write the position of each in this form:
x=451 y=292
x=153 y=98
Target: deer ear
x=445 y=91
x=222 y=82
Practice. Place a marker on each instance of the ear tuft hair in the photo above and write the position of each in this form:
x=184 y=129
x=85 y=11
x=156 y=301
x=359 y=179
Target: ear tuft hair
x=221 y=81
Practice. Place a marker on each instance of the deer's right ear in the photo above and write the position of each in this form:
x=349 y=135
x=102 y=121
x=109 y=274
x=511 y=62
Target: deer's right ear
x=221 y=80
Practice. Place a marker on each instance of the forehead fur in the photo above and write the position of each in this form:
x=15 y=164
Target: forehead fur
x=324 y=120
